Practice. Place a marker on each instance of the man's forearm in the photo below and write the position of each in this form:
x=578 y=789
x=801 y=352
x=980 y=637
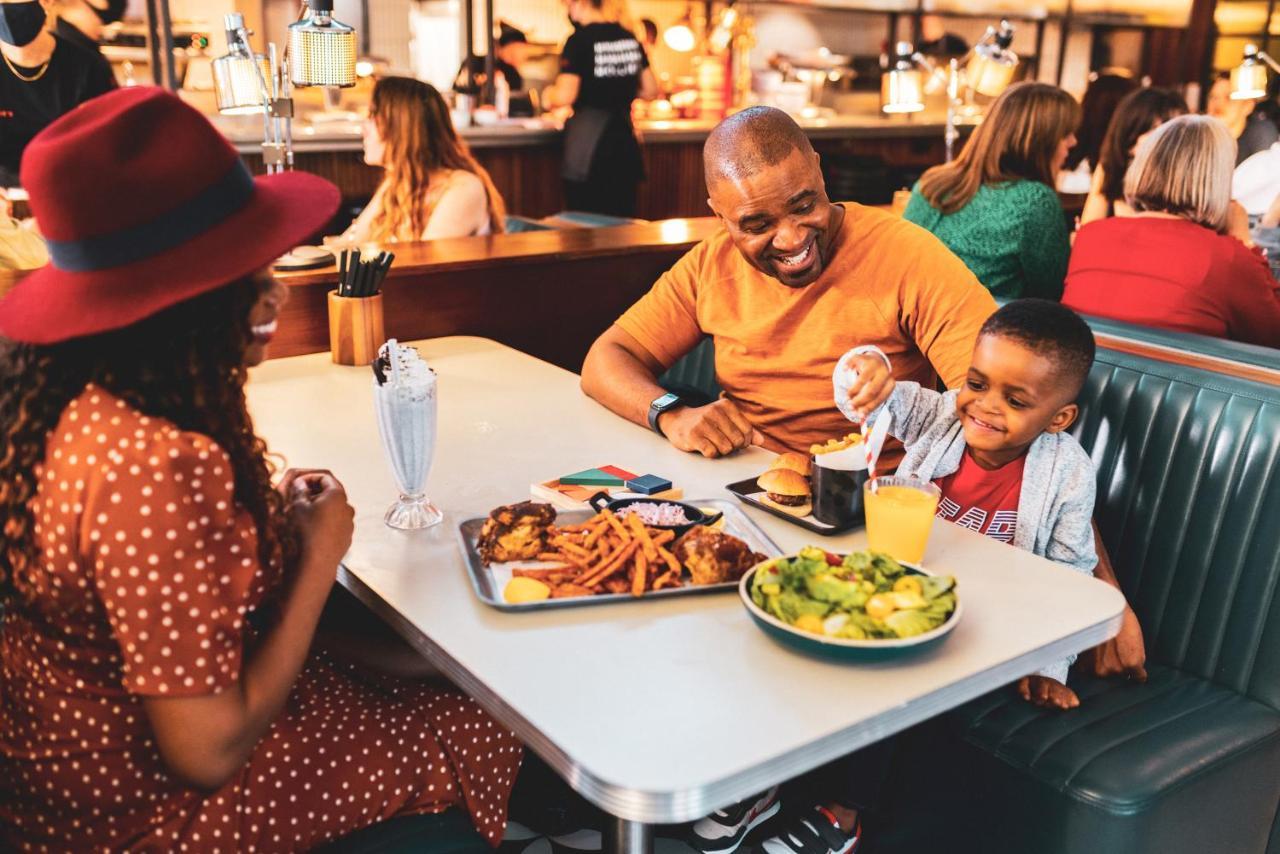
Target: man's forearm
x=620 y=381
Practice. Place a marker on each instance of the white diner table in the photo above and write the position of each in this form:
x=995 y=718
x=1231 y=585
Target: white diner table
x=656 y=711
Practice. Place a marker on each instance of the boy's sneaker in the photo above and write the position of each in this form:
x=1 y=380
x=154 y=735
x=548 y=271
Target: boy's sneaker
x=812 y=832
x=723 y=831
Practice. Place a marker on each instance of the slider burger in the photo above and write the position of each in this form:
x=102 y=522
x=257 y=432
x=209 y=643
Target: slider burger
x=786 y=487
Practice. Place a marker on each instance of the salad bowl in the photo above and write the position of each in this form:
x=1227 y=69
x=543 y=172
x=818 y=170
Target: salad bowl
x=843 y=648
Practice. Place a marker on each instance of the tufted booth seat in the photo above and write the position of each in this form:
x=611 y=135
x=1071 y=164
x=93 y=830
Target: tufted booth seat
x=1189 y=507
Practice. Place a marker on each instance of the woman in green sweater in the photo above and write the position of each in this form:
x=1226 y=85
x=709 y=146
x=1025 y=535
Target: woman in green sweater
x=995 y=206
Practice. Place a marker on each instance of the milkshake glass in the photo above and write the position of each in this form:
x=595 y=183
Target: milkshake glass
x=404 y=394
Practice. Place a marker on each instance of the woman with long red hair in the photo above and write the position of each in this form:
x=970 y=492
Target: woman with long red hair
x=433 y=185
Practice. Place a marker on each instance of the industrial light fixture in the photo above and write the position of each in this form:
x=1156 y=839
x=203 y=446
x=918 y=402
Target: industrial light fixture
x=680 y=36
x=992 y=64
x=241 y=76
x=902 y=86
x=322 y=50
x=247 y=83
x=987 y=69
x=1249 y=78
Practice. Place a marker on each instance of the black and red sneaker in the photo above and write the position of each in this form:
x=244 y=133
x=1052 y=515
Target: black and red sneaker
x=723 y=831
x=812 y=832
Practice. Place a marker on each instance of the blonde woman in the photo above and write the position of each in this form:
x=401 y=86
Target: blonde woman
x=995 y=206
x=433 y=186
x=1182 y=261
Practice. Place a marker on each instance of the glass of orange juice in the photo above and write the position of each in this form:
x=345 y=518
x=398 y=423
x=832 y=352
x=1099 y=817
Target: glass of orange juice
x=900 y=513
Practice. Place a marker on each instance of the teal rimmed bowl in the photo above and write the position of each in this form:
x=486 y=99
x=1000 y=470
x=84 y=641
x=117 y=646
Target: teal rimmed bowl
x=842 y=649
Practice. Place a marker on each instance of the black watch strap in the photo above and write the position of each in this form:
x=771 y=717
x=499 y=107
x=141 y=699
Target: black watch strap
x=654 y=412
x=659 y=405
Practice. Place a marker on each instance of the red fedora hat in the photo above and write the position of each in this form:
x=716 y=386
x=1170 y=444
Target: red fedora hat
x=145 y=204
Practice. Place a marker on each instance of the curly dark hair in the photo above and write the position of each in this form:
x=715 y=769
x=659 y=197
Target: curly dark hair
x=184 y=364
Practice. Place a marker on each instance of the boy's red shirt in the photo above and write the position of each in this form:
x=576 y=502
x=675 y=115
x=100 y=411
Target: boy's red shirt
x=983 y=500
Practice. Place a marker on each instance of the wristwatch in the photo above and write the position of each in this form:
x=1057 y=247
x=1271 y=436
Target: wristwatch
x=662 y=404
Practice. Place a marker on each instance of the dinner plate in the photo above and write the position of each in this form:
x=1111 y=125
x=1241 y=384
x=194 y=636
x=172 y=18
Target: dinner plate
x=843 y=649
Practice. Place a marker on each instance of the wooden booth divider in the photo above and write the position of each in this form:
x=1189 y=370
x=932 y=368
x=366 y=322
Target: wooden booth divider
x=546 y=293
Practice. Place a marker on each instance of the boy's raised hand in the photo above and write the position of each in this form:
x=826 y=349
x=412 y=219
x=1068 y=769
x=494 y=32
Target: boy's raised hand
x=871 y=383
x=1047 y=693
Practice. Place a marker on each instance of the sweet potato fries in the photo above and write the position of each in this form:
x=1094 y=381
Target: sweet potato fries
x=606 y=554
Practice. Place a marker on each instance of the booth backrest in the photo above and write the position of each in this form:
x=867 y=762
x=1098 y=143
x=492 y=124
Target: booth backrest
x=1189 y=507
x=1218 y=354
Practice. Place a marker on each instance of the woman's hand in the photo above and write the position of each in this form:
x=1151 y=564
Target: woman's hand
x=317 y=504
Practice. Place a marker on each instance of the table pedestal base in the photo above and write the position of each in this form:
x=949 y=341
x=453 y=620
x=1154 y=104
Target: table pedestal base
x=627 y=837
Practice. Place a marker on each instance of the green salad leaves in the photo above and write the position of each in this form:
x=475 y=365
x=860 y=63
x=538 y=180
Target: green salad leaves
x=864 y=595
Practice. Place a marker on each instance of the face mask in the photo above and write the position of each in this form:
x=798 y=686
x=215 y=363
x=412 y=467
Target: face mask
x=111 y=14
x=20 y=23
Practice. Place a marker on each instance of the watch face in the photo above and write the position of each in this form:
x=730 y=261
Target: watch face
x=665 y=401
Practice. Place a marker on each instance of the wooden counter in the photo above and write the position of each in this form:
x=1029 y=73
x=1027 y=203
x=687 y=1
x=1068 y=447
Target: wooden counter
x=865 y=158
x=546 y=293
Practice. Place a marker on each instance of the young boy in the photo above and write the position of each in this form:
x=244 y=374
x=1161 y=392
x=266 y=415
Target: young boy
x=998 y=449
x=997 y=446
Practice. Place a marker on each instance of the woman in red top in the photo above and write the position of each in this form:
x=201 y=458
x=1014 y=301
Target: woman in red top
x=1184 y=260
x=159 y=688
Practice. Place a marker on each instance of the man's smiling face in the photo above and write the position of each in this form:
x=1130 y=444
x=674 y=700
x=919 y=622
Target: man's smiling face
x=780 y=218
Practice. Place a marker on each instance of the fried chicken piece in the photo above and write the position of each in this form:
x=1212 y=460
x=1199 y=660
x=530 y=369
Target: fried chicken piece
x=516 y=532
x=714 y=557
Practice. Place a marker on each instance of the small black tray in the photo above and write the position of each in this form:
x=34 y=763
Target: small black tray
x=748 y=492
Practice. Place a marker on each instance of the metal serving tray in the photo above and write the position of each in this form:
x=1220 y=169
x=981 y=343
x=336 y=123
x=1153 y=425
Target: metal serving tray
x=489 y=581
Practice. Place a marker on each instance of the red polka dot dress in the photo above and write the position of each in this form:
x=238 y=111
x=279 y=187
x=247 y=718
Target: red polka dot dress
x=149 y=570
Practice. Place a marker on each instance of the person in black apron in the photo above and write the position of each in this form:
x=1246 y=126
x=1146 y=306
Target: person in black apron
x=603 y=68
x=42 y=77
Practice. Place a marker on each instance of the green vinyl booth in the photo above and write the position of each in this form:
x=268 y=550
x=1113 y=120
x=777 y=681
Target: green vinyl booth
x=1189 y=507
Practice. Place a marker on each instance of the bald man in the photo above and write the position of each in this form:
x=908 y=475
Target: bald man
x=791 y=283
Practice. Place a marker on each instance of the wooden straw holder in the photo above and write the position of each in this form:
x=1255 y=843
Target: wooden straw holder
x=355 y=328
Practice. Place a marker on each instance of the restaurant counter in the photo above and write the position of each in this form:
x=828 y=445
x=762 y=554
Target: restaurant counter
x=875 y=153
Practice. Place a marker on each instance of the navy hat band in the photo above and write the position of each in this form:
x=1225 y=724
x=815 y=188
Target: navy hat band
x=171 y=229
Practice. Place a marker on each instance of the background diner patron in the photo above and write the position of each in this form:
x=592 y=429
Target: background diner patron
x=1137 y=115
x=1179 y=262
x=433 y=186
x=603 y=68
x=995 y=205
x=43 y=76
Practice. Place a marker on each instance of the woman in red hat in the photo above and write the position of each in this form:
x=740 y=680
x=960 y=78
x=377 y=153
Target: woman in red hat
x=159 y=688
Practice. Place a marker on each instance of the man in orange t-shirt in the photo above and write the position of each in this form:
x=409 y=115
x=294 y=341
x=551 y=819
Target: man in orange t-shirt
x=790 y=284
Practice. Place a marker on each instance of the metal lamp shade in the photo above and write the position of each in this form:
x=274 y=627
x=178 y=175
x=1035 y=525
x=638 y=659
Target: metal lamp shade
x=1249 y=80
x=238 y=84
x=991 y=70
x=902 y=91
x=322 y=52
